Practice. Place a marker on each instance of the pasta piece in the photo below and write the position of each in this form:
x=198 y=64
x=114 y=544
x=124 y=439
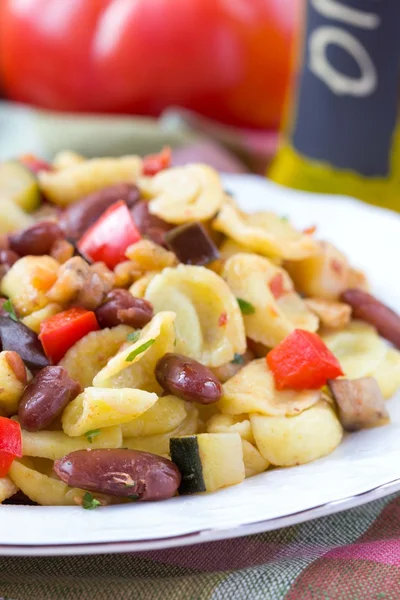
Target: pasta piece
x=27 y=282
x=92 y=352
x=325 y=275
x=148 y=256
x=358 y=348
x=209 y=325
x=252 y=390
x=220 y=423
x=334 y=315
x=254 y=462
x=387 y=373
x=289 y=441
x=7 y=488
x=34 y=319
x=276 y=308
x=159 y=444
x=13 y=379
x=229 y=248
x=41 y=488
x=156 y=339
x=65 y=186
x=67 y=158
x=265 y=233
x=182 y=194
x=139 y=287
x=55 y=444
x=96 y=408
x=166 y=414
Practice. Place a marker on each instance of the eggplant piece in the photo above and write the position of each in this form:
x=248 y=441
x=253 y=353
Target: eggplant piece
x=16 y=336
x=373 y=311
x=192 y=244
x=360 y=403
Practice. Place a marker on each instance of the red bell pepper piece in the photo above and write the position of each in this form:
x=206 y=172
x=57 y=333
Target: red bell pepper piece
x=10 y=444
x=276 y=286
x=60 y=332
x=302 y=362
x=153 y=163
x=109 y=237
x=34 y=164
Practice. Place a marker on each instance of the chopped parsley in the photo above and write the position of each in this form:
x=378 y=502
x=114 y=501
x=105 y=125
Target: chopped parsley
x=139 y=350
x=238 y=359
x=246 y=307
x=134 y=497
x=134 y=336
x=10 y=309
x=88 y=502
x=92 y=434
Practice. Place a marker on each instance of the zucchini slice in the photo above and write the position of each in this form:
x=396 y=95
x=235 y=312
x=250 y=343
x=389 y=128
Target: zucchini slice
x=208 y=461
x=20 y=185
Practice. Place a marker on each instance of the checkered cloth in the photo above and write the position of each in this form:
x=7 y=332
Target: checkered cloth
x=354 y=555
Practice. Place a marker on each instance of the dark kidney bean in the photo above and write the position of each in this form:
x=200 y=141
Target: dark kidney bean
x=8 y=258
x=188 y=379
x=46 y=397
x=120 y=307
x=370 y=309
x=16 y=336
x=120 y=472
x=149 y=225
x=36 y=240
x=192 y=244
x=78 y=217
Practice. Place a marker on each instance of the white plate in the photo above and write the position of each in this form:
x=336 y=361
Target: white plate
x=364 y=467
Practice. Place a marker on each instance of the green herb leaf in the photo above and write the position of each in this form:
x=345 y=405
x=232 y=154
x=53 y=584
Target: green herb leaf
x=238 y=360
x=134 y=336
x=139 y=350
x=246 y=307
x=134 y=497
x=92 y=434
x=88 y=502
x=10 y=309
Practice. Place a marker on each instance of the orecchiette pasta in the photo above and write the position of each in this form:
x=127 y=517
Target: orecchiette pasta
x=183 y=194
x=13 y=378
x=275 y=312
x=56 y=444
x=68 y=185
x=7 y=488
x=165 y=415
x=139 y=287
x=27 y=282
x=97 y=407
x=148 y=256
x=67 y=158
x=92 y=352
x=209 y=325
x=288 y=441
x=252 y=390
x=156 y=339
x=265 y=233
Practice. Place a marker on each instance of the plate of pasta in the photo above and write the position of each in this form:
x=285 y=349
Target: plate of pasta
x=187 y=356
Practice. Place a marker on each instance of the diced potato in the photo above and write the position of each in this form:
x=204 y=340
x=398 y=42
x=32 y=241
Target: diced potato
x=334 y=315
x=34 y=320
x=12 y=217
x=166 y=414
x=289 y=441
x=13 y=378
x=92 y=352
x=27 y=282
x=7 y=488
x=19 y=184
x=254 y=462
x=66 y=159
x=240 y=424
x=387 y=373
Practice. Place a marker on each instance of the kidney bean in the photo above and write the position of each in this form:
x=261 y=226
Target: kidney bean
x=372 y=311
x=8 y=258
x=148 y=224
x=35 y=240
x=16 y=364
x=119 y=472
x=78 y=217
x=16 y=336
x=187 y=379
x=121 y=307
x=46 y=397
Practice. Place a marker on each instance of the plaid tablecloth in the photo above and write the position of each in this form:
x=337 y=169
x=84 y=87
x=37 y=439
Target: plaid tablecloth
x=354 y=555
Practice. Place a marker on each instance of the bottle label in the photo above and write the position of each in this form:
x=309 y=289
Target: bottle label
x=348 y=89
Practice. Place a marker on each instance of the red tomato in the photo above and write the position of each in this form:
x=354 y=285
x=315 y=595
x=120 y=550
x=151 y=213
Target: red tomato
x=108 y=238
x=10 y=444
x=228 y=59
x=302 y=362
x=62 y=331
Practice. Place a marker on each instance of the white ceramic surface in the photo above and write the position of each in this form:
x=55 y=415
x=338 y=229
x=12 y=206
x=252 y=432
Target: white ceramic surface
x=365 y=466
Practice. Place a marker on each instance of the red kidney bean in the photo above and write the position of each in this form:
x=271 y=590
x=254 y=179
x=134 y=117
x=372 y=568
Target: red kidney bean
x=120 y=307
x=187 y=379
x=46 y=397
x=148 y=224
x=8 y=258
x=120 y=472
x=372 y=311
x=78 y=217
x=16 y=336
x=35 y=240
